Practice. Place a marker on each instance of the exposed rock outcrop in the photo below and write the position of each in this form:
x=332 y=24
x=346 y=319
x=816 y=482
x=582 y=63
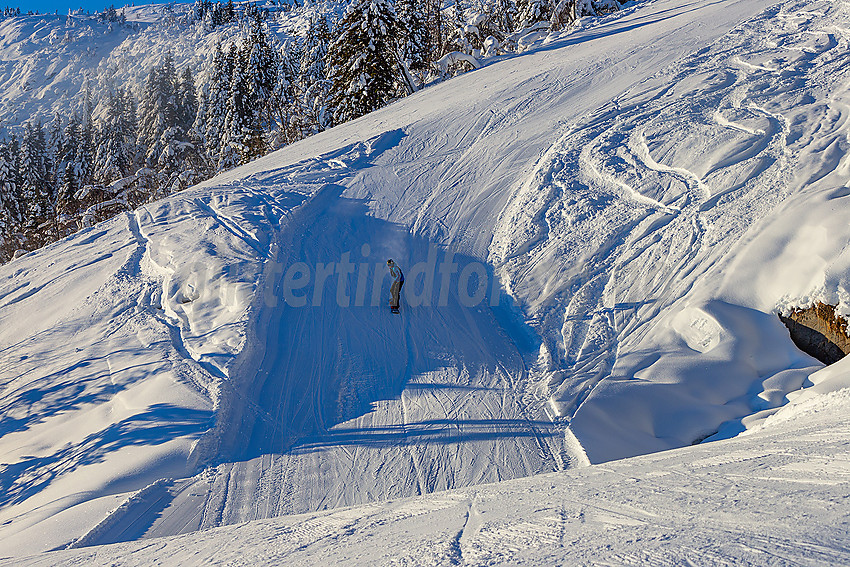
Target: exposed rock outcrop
x=819 y=331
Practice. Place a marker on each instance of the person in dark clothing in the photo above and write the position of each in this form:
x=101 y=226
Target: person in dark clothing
x=398 y=281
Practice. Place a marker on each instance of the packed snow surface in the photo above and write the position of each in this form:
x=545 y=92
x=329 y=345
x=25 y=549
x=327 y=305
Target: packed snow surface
x=776 y=497
x=597 y=235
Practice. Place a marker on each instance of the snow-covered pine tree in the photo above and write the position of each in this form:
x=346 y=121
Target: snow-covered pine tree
x=458 y=14
x=216 y=15
x=69 y=169
x=314 y=53
x=166 y=111
x=201 y=9
x=14 y=148
x=116 y=151
x=312 y=79
x=76 y=167
x=212 y=104
x=151 y=122
x=157 y=109
x=193 y=109
x=177 y=162
x=362 y=60
x=54 y=146
x=455 y=36
x=584 y=8
x=191 y=164
x=414 y=49
x=198 y=131
x=10 y=205
x=232 y=145
x=87 y=149
x=291 y=123
x=106 y=159
x=504 y=15
x=434 y=24
x=534 y=11
x=36 y=191
x=128 y=127
x=261 y=70
x=252 y=104
x=187 y=100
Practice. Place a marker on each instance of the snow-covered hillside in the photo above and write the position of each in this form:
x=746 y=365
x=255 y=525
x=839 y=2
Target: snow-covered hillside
x=639 y=196
x=49 y=64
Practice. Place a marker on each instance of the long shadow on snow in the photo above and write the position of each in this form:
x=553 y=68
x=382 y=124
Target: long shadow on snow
x=621 y=25
x=428 y=431
x=327 y=362
x=159 y=424
x=86 y=382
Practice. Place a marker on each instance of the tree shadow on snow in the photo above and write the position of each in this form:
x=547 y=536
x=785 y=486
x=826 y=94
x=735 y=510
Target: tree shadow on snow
x=84 y=383
x=159 y=424
x=429 y=431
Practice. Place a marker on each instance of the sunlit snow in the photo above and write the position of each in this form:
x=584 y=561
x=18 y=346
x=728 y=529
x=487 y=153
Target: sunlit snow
x=639 y=196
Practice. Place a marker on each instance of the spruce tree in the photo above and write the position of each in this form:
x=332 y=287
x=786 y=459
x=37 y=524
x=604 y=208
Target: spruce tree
x=457 y=20
x=435 y=27
x=308 y=97
x=157 y=109
x=505 y=16
x=413 y=48
x=232 y=145
x=116 y=150
x=291 y=121
x=192 y=149
x=10 y=205
x=14 y=152
x=312 y=80
x=166 y=114
x=363 y=60
x=127 y=128
x=313 y=56
x=533 y=11
x=261 y=71
x=87 y=150
x=70 y=169
x=54 y=147
x=187 y=101
x=36 y=191
x=151 y=119
x=212 y=104
x=198 y=131
x=252 y=101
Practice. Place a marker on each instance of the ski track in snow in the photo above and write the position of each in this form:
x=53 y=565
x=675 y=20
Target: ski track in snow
x=614 y=229
x=429 y=418
x=661 y=221
x=635 y=206
x=750 y=500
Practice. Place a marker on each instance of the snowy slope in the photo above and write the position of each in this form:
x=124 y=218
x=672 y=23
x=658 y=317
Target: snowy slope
x=648 y=188
x=777 y=497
